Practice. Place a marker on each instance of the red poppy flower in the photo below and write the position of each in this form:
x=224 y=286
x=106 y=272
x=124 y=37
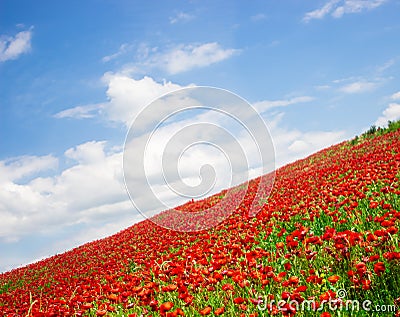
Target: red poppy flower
x=238 y=300
x=219 y=311
x=373 y=204
x=205 y=311
x=379 y=268
x=361 y=268
x=333 y=279
x=166 y=306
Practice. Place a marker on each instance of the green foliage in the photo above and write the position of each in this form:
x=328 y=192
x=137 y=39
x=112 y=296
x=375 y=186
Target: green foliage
x=374 y=131
x=5 y=287
x=393 y=125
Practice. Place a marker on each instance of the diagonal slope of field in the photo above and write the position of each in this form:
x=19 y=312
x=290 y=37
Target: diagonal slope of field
x=328 y=233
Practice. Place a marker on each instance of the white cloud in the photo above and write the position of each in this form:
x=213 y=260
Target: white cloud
x=184 y=131
x=310 y=142
x=391 y=113
x=395 y=96
x=128 y=96
x=122 y=50
x=80 y=112
x=13 y=47
x=173 y=59
x=337 y=8
x=181 y=17
x=89 y=191
x=87 y=153
x=356 y=6
x=264 y=105
x=387 y=65
x=358 y=87
x=292 y=144
x=322 y=12
x=26 y=166
x=186 y=57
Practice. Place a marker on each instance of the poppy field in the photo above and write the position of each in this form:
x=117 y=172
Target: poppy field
x=327 y=236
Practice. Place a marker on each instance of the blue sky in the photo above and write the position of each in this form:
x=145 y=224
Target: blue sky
x=73 y=74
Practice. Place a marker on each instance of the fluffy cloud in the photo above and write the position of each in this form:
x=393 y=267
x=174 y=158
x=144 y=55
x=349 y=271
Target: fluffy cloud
x=13 y=47
x=26 y=166
x=92 y=186
x=396 y=96
x=310 y=142
x=174 y=154
x=391 y=113
x=337 y=8
x=292 y=144
x=128 y=96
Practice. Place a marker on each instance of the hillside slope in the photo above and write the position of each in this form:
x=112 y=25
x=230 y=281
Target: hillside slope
x=327 y=233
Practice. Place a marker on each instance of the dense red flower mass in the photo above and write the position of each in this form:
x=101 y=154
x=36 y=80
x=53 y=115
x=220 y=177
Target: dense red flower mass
x=330 y=224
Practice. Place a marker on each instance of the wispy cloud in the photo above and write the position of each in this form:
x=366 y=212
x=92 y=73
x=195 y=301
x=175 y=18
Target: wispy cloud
x=322 y=87
x=12 y=47
x=181 y=17
x=186 y=57
x=80 y=112
x=387 y=65
x=338 y=8
x=264 y=105
x=122 y=50
x=358 y=87
x=356 y=6
x=321 y=12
